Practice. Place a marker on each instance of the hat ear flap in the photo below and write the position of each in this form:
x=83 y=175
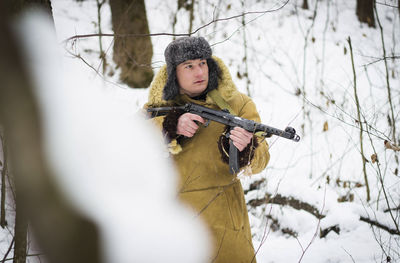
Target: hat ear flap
x=213 y=75
x=171 y=88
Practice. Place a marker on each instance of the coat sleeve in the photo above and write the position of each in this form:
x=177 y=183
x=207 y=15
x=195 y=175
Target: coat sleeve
x=157 y=121
x=167 y=126
x=261 y=152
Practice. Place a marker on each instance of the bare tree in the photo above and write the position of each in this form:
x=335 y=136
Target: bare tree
x=365 y=12
x=132 y=54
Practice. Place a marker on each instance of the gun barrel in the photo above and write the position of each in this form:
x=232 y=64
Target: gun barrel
x=288 y=133
x=161 y=111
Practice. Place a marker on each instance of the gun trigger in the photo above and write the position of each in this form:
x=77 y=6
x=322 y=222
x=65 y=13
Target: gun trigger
x=206 y=123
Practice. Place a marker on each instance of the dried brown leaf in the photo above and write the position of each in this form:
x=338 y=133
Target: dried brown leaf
x=358 y=185
x=391 y=146
x=374 y=158
x=326 y=128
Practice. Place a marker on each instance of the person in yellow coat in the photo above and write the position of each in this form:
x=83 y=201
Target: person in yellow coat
x=200 y=153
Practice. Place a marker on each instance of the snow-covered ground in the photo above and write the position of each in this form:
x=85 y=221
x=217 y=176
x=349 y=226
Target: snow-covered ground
x=301 y=75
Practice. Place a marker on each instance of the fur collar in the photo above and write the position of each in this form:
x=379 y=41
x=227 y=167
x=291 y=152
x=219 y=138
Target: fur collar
x=226 y=87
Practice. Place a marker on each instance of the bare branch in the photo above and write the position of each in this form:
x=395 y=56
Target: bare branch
x=181 y=34
x=30 y=255
x=287 y=200
x=316 y=230
x=359 y=121
x=387 y=77
x=382 y=59
x=8 y=251
x=385 y=4
x=379 y=225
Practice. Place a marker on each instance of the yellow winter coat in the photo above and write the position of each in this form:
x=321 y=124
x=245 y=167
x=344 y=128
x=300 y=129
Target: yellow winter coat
x=205 y=181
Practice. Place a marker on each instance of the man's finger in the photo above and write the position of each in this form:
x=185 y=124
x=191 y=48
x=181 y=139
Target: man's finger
x=240 y=140
x=191 y=129
x=246 y=136
x=198 y=118
x=240 y=131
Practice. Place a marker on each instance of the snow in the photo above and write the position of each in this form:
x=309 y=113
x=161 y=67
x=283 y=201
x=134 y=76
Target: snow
x=288 y=53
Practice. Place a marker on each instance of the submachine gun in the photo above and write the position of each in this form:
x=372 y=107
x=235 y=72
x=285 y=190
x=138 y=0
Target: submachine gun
x=224 y=117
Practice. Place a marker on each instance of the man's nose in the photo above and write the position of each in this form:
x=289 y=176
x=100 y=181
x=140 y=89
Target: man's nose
x=199 y=71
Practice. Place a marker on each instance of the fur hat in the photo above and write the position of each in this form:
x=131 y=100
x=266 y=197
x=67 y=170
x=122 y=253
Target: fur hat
x=188 y=48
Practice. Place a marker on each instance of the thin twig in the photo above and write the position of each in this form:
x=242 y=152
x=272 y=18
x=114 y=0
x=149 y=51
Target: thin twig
x=181 y=34
x=245 y=59
x=385 y=4
x=102 y=54
x=359 y=121
x=387 y=77
x=352 y=259
x=384 y=189
x=380 y=59
x=191 y=15
x=382 y=135
x=306 y=114
x=316 y=230
x=324 y=43
x=30 y=255
x=265 y=232
x=8 y=250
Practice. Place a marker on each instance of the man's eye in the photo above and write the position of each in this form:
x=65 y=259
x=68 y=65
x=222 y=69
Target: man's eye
x=189 y=66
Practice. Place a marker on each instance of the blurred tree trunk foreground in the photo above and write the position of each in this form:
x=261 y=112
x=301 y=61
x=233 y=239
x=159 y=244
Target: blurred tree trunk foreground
x=63 y=234
x=132 y=54
x=16 y=6
x=365 y=12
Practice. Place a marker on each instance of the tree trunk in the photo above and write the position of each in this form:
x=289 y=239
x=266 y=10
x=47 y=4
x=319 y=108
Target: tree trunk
x=365 y=12
x=64 y=235
x=132 y=54
x=3 y=222
x=305 y=4
x=189 y=6
x=20 y=234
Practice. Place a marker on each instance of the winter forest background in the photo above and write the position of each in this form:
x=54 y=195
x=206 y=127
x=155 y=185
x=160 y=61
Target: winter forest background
x=91 y=177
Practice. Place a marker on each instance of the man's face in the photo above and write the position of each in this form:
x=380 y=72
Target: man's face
x=192 y=77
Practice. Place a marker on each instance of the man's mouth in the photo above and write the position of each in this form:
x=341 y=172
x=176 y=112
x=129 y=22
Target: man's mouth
x=199 y=81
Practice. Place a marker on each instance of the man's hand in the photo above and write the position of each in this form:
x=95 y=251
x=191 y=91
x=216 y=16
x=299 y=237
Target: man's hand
x=187 y=125
x=240 y=137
